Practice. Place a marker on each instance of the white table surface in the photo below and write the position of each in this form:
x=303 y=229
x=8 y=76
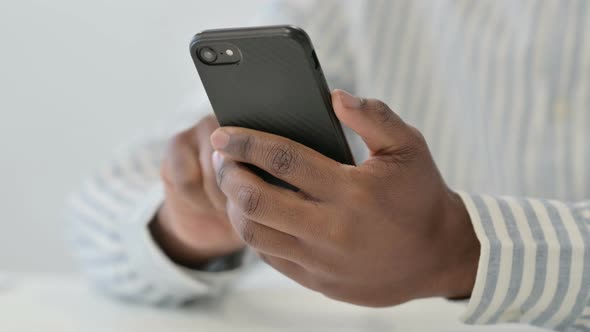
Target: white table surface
x=263 y=301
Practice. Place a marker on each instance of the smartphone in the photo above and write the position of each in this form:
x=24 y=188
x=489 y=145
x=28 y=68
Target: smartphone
x=269 y=79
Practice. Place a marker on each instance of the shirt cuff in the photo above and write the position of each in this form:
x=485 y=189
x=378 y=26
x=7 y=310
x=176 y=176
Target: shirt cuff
x=154 y=265
x=532 y=267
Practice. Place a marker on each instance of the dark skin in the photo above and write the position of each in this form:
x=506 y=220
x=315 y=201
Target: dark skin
x=377 y=234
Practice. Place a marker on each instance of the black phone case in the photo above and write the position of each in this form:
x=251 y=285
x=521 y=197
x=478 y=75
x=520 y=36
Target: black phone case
x=277 y=87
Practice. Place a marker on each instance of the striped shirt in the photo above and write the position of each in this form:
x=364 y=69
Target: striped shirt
x=501 y=91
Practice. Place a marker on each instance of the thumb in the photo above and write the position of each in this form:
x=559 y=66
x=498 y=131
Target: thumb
x=379 y=127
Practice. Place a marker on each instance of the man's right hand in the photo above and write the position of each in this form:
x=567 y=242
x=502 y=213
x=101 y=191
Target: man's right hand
x=192 y=226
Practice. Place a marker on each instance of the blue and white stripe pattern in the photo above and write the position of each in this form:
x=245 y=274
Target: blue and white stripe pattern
x=501 y=91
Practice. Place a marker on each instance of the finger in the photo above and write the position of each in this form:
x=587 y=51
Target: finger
x=287 y=160
x=275 y=207
x=288 y=268
x=205 y=128
x=180 y=169
x=379 y=127
x=263 y=238
x=295 y=272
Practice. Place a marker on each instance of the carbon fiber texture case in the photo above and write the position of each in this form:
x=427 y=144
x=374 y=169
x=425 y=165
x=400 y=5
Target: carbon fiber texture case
x=277 y=87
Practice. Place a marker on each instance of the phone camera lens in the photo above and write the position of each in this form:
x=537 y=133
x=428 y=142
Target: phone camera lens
x=207 y=55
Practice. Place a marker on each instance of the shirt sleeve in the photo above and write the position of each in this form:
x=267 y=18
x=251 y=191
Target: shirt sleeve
x=534 y=265
x=109 y=216
x=109 y=232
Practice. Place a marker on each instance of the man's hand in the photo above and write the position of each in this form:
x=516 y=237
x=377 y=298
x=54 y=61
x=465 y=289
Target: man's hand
x=378 y=234
x=192 y=225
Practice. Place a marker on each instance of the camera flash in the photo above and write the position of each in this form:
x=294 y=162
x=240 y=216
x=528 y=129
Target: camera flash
x=229 y=52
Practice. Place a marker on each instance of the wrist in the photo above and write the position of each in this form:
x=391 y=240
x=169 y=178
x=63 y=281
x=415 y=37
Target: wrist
x=177 y=248
x=458 y=252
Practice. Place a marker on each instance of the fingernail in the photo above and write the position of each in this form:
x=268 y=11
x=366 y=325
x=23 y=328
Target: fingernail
x=349 y=101
x=219 y=139
x=217 y=159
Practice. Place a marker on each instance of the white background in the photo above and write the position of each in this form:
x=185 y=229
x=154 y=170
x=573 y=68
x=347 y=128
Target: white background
x=77 y=79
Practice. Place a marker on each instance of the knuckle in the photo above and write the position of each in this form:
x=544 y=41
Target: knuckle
x=338 y=235
x=326 y=266
x=417 y=138
x=360 y=194
x=289 y=213
x=353 y=176
x=324 y=285
x=249 y=200
x=180 y=139
x=384 y=113
x=265 y=258
x=191 y=185
x=220 y=176
x=180 y=167
x=166 y=169
x=244 y=146
x=209 y=120
x=402 y=157
x=248 y=232
x=282 y=159
x=178 y=145
x=341 y=295
x=208 y=124
x=227 y=175
x=165 y=175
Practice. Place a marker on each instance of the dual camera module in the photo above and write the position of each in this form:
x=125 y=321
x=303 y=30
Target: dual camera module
x=219 y=54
